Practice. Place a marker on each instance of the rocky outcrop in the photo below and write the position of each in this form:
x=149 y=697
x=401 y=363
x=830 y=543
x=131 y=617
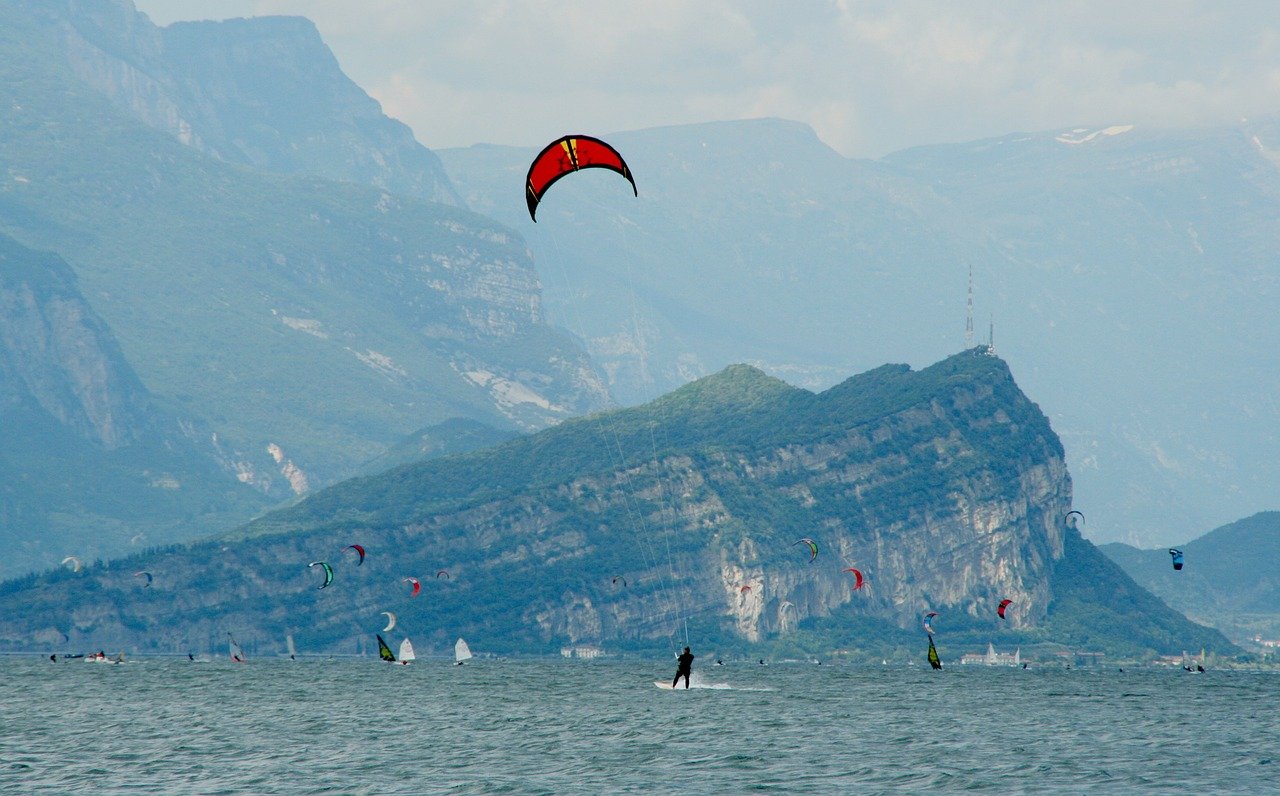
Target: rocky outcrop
x=945 y=487
x=264 y=92
x=90 y=462
x=329 y=318
x=57 y=356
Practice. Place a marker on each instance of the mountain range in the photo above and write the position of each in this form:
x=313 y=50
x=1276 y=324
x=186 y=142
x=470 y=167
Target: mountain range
x=304 y=288
x=93 y=463
x=687 y=517
x=1126 y=273
x=230 y=280
x=1229 y=579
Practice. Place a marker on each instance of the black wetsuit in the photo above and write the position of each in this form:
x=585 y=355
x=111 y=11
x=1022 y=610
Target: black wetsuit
x=683 y=664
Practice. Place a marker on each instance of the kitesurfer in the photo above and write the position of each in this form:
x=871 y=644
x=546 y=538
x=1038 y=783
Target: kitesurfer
x=54 y=657
x=684 y=664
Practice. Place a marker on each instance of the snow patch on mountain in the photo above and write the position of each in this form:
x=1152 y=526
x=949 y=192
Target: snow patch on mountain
x=1082 y=135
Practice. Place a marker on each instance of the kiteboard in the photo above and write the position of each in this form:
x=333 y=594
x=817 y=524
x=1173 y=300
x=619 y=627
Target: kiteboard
x=701 y=686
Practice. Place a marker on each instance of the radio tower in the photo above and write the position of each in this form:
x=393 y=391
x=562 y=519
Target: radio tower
x=968 y=320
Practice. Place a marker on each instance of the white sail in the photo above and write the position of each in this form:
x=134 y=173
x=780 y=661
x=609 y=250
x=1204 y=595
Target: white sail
x=288 y=640
x=406 y=651
x=461 y=651
x=237 y=654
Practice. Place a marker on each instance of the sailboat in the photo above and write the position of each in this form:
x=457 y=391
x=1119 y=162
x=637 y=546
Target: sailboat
x=461 y=652
x=293 y=651
x=384 y=652
x=233 y=648
x=406 y=652
x=934 y=661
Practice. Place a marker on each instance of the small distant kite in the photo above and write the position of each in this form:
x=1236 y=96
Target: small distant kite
x=813 y=547
x=359 y=551
x=1003 y=605
x=1071 y=521
x=744 y=590
x=857 y=577
x=328 y=572
x=73 y=561
x=417 y=587
x=443 y=574
x=620 y=578
x=928 y=622
x=146 y=575
x=1176 y=554
x=566 y=155
x=391 y=621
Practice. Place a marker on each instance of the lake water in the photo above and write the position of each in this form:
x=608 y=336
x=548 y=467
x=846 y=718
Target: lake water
x=526 y=727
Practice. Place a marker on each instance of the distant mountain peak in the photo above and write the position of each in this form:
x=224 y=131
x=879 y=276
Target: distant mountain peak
x=265 y=92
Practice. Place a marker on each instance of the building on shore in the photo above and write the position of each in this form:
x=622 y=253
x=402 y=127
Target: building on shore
x=992 y=658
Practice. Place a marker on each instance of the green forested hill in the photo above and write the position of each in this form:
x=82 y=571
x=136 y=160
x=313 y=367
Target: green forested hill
x=629 y=529
x=1230 y=579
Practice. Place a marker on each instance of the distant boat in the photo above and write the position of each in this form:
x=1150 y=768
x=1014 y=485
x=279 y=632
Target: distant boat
x=233 y=648
x=461 y=652
x=406 y=652
x=293 y=651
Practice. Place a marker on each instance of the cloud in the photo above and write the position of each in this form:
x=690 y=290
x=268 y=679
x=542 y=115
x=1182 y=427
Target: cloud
x=870 y=75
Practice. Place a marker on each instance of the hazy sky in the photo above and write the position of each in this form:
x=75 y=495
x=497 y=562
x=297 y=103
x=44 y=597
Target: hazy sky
x=870 y=76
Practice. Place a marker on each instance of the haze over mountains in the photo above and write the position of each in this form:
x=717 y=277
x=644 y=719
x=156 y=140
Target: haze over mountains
x=90 y=461
x=1128 y=274
x=1229 y=579
x=308 y=323
x=296 y=286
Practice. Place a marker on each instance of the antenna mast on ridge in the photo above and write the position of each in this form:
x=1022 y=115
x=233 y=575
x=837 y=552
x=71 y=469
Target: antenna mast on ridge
x=968 y=320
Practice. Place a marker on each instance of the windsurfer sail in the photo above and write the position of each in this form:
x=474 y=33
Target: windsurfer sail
x=461 y=652
x=233 y=648
x=384 y=652
x=934 y=661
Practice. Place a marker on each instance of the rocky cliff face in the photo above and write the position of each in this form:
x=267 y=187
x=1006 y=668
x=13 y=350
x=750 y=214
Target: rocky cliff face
x=310 y=322
x=57 y=356
x=264 y=92
x=945 y=487
x=90 y=463
x=895 y=496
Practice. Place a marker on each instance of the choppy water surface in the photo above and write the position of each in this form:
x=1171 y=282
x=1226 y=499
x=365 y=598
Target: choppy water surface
x=167 y=726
